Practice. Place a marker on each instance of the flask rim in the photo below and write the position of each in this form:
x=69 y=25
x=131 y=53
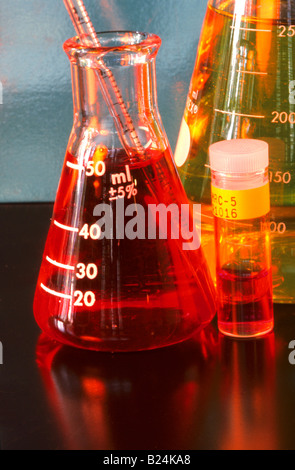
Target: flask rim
x=121 y=41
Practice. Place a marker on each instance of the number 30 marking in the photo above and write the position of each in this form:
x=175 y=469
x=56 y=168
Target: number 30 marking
x=90 y=271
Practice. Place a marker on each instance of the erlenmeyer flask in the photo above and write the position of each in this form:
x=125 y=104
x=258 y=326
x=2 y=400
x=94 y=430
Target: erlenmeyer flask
x=111 y=278
x=243 y=86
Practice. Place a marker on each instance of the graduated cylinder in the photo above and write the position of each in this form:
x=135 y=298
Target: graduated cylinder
x=243 y=86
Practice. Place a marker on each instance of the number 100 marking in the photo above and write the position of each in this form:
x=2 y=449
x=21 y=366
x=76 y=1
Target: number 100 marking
x=278 y=227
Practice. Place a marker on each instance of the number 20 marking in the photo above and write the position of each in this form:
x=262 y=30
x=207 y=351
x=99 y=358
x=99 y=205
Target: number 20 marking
x=87 y=299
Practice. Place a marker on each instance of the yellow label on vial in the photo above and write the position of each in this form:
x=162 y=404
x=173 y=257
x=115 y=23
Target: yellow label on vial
x=240 y=204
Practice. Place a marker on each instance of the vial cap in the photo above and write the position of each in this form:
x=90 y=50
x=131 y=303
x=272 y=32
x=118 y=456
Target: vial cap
x=239 y=156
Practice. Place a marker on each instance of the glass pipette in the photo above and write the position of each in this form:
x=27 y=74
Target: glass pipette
x=117 y=107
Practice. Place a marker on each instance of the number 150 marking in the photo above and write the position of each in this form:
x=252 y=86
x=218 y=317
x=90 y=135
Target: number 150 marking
x=280 y=177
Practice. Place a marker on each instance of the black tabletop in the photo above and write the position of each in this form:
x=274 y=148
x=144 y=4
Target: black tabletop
x=210 y=392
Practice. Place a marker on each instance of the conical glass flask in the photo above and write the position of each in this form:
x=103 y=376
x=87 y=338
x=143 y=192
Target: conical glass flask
x=243 y=86
x=113 y=277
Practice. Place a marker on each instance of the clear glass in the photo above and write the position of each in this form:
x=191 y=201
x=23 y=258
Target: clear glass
x=243 y=86
x=99 y=287
x=243 y=265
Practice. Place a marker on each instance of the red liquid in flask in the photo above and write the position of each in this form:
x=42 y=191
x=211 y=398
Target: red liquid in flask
x=119 y=294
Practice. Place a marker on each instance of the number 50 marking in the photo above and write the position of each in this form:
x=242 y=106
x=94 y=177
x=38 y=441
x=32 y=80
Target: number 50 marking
x=98 y=168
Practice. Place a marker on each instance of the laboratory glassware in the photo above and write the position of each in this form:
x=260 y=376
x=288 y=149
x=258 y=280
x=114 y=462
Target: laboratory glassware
x=243 y=86
x=111 y=278
x=109 y=87
x=241 y=205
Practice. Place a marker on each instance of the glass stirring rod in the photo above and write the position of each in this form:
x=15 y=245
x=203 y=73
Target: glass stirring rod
x=109 y=87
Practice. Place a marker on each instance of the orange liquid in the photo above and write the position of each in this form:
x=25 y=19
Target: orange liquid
x=245 y=301
x=244 y=276
x=243 y=87
x=119 y=294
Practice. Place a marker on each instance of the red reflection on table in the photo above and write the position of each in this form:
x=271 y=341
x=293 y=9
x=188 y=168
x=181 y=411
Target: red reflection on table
x=247 y=394
x=145 y=400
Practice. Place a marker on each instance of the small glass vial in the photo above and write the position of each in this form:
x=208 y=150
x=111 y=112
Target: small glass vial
x=241 y=205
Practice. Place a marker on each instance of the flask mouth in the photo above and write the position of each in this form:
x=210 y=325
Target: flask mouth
x=116 y=42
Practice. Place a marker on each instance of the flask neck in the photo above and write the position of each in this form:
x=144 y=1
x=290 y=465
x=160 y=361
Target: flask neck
x=129 y=59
